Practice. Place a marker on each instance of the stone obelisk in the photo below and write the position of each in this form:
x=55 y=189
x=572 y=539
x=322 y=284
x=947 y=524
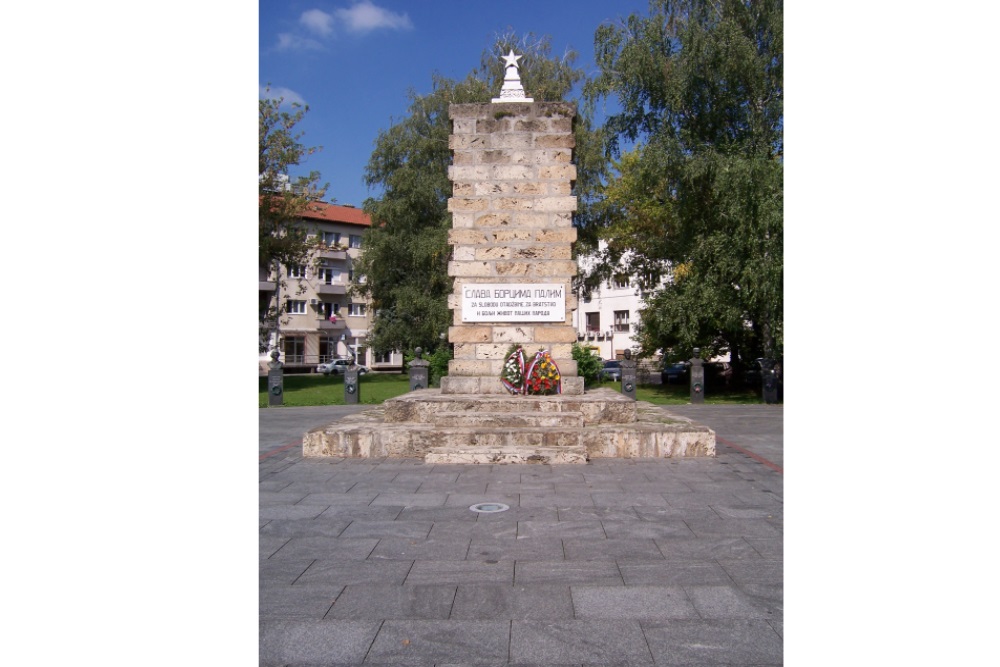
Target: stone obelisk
x=512 y=235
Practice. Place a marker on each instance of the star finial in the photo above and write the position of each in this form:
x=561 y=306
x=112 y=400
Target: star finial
x=510 y=59
x=512 y=90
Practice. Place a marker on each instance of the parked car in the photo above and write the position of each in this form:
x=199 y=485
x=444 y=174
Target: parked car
x=338 y=366
x=718 y=374
x=677 y=372
x=612 y=370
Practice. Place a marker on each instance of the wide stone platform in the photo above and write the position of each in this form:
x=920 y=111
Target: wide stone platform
x=456 y=428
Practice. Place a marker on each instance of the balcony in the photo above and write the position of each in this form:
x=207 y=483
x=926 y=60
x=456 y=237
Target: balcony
x=267 y=286
x=331 y=290
x=324 y=324
x=332 y=253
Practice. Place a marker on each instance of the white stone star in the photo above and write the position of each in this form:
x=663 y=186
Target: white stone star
x=511 y=59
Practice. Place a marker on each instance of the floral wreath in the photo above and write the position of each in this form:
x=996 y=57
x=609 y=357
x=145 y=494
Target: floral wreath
x=540 y=377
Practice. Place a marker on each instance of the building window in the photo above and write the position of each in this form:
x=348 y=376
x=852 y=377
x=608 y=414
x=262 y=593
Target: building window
x=620 y=281
x=296 y=271
x=593 y=322
x=295 y=348
x=355 y=241
x=328 y=309
x=295 y=307
x=330 y=276
x=621 y=321
x=357 y=309
x=385 y=358
x=328 y=349
x=330 y=238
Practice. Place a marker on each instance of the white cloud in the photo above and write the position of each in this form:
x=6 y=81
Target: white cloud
x=365 y=17
x=288 y=97
x=317 y=21
x=289 y=42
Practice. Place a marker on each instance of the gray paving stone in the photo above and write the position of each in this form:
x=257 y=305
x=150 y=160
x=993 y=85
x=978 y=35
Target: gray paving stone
x=305 y=527
x=430 y=642
x=402 y=548
x=664 y=528
x=468 y=499
x=435 y=514
x=761 y=571
x=284 y=601
x=284 y=571
x=532 y=548
x=599 y=513
x=617 y=550
x=504 y=487
x=632 y=602
x=674 y=573
x=328 y=486
x=556 y=500
x=713 y=642
x=381 y=529
x=432 y=499
x=708 y=548
x=667 y=513
x=331 y=548
x=518 y=602
x=362 y=513
x=304 y=511
x=270 y=498
x=461 y=572
x=521 y=514
x=733 y=528
x=318 y=642
x=273 y=485
x=345 y=499
x=474 y=529
x=749 y=512
x=268 y=544
x=604 y=573
x=629 y=499
x=345 y=573
x=724 y=602
x=588 y=642
x=562 y=529
x=381 y=601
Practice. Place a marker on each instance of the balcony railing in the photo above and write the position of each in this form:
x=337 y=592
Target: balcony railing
x=331 y=289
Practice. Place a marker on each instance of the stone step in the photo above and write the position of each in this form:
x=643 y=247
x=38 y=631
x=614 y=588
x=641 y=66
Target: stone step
x=501 y=420
x=599 y=407
x=507 y=454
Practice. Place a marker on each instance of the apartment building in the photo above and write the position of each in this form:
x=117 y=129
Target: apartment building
x=320 y=322
x=607 y=317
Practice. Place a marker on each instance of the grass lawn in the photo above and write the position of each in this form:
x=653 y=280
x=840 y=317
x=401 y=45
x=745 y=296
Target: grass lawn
x=316 y=389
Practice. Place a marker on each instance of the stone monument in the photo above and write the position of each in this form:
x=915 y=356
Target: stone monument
x=512 y=264
x=512 y=235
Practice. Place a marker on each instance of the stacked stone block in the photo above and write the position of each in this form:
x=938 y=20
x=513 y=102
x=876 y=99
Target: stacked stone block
x=512 y=211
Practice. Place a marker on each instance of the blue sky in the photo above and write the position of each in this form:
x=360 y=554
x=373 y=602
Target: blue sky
x=353 y=62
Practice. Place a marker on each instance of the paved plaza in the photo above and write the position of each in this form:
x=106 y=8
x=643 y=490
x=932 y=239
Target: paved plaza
x=615 y=562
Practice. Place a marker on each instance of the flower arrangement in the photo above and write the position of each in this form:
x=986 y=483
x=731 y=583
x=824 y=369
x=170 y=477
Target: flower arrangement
x=512 y=376
x=541 y=377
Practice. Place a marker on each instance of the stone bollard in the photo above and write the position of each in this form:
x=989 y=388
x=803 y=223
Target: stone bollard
x=352 y=387
x=419 y=371
x=628 y=366
x=697 y=378
x=275 y=381
x=769 y=381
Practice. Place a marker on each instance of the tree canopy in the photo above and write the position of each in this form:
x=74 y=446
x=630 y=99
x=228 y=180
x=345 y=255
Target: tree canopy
x=281 y=200
x=405 y=263
x=697 y=199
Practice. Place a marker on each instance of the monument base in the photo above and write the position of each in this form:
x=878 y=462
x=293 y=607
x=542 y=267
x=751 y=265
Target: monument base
x=490 y=385
x=467 y=428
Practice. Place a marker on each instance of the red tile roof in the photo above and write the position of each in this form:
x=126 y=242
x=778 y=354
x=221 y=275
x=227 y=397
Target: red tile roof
x=334 y=213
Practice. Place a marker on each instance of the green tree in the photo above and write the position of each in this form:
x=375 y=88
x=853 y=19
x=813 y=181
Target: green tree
x=405 y=263
x=698 y=197
x=588 y=364
x=281 y=201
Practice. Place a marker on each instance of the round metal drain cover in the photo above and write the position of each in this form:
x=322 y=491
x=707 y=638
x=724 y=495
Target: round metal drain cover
x=489 y=507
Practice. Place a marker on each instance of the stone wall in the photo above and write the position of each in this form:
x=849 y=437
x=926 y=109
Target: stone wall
x=512 y=175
